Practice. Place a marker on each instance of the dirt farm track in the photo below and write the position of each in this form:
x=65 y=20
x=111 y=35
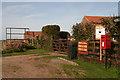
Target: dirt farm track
x=33 y=66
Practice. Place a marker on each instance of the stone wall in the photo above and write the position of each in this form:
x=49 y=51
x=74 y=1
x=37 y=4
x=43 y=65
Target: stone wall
x=10 y=44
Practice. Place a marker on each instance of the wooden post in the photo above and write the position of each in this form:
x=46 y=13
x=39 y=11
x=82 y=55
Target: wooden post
x=104 y=51
x=10 y=33
x=6 y=33
x=100 y=51
x=24 y=35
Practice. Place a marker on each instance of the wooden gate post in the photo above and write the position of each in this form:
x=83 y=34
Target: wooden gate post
x=100 y=51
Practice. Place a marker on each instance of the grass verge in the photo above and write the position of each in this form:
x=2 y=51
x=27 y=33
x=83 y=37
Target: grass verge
x=31 y=51
x=90 y=70
x=87 y=70
x=50 y=57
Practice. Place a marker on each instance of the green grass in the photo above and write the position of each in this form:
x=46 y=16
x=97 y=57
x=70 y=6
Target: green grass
x=91 y=70
x=41 y=54
x=73 y=71
x=50 y=57
x=32 y=51
x=87 y=70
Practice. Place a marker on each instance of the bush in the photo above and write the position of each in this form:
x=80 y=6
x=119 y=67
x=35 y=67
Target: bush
x=19 y=50
x=48 y=45
x=30 y=47
x=83 y=32
x=11 y=51
x=51 y=31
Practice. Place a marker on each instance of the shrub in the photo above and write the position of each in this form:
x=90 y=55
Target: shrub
x=19 y=50
x=15 y=50
x=51 y=31
x=30 y=47
x=83 y=32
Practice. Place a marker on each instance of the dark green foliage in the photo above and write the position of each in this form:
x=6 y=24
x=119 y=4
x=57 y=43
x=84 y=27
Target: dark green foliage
x=26 y=52
x=40 y=41
x=30 y=47
x=63 y=35
x=51 y=31
x=83 y=32
x=110 y=26
x=10 y=51
x=47 y=44
x=15 y=50
x=29 y=41
x=18 y=50
x=37 y=37
x=35 y=43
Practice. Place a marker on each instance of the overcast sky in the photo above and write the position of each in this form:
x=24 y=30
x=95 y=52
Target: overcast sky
x=65 y=14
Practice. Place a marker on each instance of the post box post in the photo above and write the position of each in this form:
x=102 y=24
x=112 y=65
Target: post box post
x=105 y=43
x=100 y=51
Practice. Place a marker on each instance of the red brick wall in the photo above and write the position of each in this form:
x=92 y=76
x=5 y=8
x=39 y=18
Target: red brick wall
x=32 y=34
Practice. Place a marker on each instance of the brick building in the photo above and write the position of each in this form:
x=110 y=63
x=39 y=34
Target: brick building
x=33 y=34
x=96 y=20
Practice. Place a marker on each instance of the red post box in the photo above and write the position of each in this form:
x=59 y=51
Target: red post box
x=105 y=42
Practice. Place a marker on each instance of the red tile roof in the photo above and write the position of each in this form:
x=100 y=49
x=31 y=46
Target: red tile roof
x=94 y=19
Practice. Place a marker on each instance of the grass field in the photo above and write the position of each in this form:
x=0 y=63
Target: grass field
x=31 y=51
x=87 y=70
x=92 y=70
